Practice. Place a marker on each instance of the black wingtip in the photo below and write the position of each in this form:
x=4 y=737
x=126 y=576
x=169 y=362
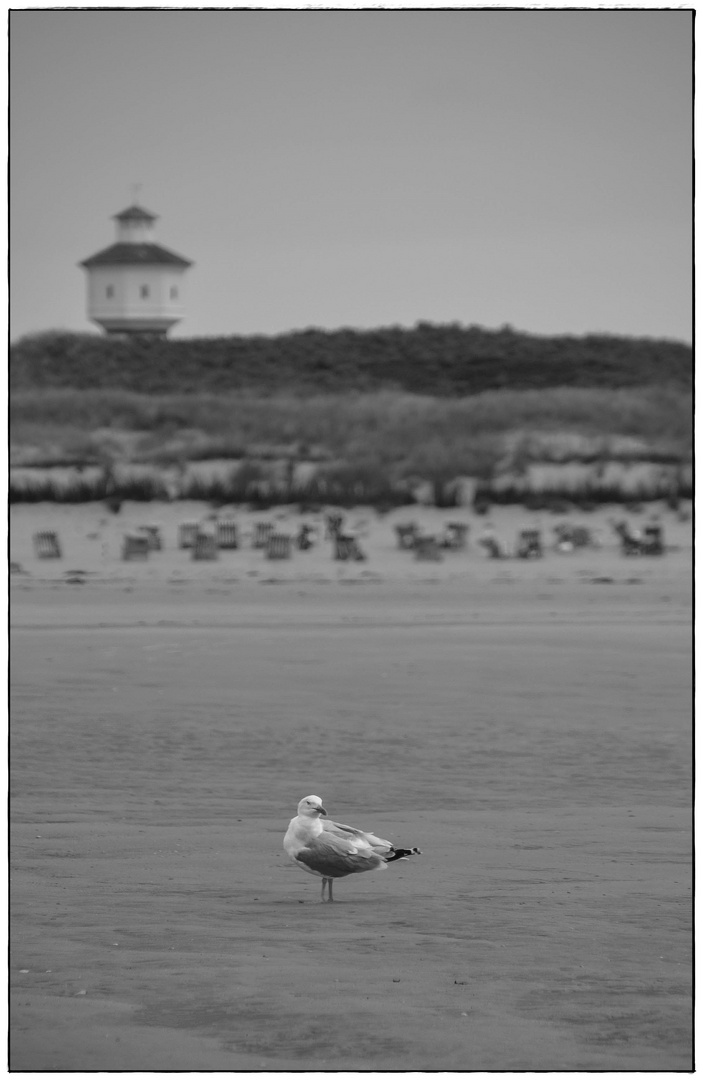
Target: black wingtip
x=403 y=853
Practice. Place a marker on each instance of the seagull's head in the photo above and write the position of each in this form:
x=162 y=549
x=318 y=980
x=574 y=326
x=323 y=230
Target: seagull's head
x=311 y=806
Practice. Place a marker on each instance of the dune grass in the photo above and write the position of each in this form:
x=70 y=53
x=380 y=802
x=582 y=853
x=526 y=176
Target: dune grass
x=373 y=444
x=392 y=423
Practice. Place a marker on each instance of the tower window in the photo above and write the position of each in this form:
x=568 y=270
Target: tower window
x=110 y=292
x=174 y=292
x=144 y=292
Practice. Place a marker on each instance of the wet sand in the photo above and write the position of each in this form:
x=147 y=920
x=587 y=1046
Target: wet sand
x=527 y=725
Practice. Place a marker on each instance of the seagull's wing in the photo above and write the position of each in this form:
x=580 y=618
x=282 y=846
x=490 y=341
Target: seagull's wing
x=336 y=856
x=346 y=831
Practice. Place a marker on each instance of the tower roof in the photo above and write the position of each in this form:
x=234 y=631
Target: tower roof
x=135 y=213
x=125 y=254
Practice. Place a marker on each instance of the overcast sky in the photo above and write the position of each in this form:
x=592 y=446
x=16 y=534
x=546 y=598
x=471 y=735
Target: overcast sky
x=361 y=168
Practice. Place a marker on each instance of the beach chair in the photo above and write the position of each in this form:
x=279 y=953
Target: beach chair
x=278 y=546
x=427 y=549
x=347 y=548
x=187 y=534
x=562 y=539
x=153 y=535
x=583 y=537
x=570 y=537
x=653 y=540
x=334 y=523
x=135 y=546
x=492 y=547
x=46 y=545
x=262 y=531
x=629 y=544
x=455 y=536
x=406 y=535
x=304 y=537
x=529 y=544
x=205 y=547
x=226 y=535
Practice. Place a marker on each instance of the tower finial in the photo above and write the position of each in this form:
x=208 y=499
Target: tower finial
x=136 y=188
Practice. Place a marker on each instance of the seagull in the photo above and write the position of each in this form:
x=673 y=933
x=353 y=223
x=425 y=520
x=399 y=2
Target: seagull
x=330 y=850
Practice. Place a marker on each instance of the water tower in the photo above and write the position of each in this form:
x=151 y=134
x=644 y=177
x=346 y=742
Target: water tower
x=135 y=286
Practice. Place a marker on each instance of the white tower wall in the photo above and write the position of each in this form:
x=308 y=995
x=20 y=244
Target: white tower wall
x=117 y=292
x=135 y=286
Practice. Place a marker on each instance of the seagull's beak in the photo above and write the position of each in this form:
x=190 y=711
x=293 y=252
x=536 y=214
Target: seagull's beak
x=322 y=810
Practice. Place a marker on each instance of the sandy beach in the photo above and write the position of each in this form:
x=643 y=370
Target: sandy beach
x=527 y=724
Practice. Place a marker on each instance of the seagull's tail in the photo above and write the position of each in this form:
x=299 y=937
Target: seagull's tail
x=402 y=853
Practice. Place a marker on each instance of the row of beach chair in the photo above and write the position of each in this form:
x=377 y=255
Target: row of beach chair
x=206 y=539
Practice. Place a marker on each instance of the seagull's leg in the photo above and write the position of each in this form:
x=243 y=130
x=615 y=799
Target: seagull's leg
x=329 y=889
x=323 y=889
